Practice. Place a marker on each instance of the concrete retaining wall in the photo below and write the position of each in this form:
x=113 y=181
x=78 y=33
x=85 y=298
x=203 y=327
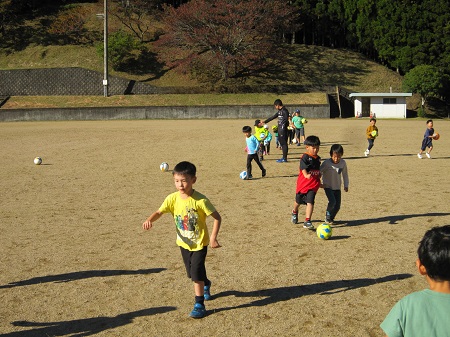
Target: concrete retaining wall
x=152 y=112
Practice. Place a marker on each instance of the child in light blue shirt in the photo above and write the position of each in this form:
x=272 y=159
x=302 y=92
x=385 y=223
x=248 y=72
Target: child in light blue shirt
x=252 y=152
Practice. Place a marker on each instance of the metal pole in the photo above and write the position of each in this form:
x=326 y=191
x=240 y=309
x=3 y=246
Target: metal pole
x=105 y=48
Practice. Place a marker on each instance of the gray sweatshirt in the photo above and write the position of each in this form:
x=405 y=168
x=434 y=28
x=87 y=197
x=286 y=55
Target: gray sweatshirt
x=331 y=174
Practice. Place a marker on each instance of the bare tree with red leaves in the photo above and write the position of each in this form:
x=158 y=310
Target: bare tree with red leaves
x=224 y=39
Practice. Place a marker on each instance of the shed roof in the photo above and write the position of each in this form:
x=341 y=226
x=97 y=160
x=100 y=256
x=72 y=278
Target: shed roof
x=380 y=94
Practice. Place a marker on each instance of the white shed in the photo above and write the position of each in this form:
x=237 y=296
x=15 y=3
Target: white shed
x=381 y=105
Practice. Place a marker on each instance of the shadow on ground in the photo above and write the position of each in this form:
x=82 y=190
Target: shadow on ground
x=82 y=327
x=275 y=295
x=80 y=275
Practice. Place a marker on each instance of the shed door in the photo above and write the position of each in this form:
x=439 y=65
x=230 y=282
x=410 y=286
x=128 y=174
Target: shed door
x=365 y=106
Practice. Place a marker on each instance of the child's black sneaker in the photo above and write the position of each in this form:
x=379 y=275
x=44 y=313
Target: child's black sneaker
x=294 y=218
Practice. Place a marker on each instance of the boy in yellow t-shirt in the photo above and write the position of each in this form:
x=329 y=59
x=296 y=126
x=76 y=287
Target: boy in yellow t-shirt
x=189 y=209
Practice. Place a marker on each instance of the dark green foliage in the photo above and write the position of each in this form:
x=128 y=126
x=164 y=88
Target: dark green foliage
x=121 y=47
x=427 y=81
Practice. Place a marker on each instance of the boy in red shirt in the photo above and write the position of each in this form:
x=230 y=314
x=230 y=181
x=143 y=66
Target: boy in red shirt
x=308 y=181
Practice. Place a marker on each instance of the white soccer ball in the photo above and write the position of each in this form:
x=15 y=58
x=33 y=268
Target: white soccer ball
x=38 y=160
x=243 y=175
x=294 y=140
x=262 y=136
x=164 y=167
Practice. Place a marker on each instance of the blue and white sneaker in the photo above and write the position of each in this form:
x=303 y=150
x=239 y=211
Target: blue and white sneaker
x=207 y=293
x=281 y=160
x=199 y=311
x=308 y=225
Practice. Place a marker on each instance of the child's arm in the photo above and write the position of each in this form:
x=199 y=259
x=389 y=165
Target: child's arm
x=306 y=174
x=345 y=176
x=149 y=222
x=215 y=231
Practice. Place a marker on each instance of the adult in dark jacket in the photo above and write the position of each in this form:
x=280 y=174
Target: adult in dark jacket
x=283 y=122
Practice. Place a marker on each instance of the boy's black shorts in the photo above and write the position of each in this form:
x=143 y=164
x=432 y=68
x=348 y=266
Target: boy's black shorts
x=303 y=199
x=195 y=263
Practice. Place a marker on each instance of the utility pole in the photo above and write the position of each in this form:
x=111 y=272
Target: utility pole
x=104 y=16
x=105 y=49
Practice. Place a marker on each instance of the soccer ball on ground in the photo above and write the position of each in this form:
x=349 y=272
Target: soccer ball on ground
x=164 y=167
x=324 y=231
x=436 y=136
x=294 y=140
x=243 y=175
x=38 y=160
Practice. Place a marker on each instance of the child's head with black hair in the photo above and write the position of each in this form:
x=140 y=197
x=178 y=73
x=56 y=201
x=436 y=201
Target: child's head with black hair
x=336 y=153
x=185 y=168
x=312 y=144
x=312 y=141
x=434 y=254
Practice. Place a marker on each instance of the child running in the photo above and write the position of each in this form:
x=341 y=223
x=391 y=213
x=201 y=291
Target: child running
x=371 y=134
x=427 y=140
x=189 y=209
x=308 y=181
x=253 y=146
x=332 y=170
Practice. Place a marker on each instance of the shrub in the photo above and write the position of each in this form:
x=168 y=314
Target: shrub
x=121 y=47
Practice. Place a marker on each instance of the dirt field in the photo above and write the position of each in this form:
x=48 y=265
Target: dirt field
x=76 y=262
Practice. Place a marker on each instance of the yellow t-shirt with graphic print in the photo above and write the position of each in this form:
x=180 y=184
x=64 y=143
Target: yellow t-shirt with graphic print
x=190 y=219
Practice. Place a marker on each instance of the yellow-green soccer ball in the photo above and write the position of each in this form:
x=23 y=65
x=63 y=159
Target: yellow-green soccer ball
x=304 y=121
x=324 y=231
x=374 y=133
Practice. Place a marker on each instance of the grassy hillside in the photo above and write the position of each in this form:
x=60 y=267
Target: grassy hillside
x=311 y=69
x=305 y=66
x=308 y=70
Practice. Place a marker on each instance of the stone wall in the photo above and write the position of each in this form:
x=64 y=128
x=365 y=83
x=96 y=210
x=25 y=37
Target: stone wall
x=67 y=81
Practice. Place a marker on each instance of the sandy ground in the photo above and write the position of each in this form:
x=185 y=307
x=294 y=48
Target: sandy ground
x=76 y=262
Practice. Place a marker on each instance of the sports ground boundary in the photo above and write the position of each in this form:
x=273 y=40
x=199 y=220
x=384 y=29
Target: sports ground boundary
x=156 y=112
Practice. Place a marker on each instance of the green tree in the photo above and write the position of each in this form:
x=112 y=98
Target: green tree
x=426 y=80
x=121 y=46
